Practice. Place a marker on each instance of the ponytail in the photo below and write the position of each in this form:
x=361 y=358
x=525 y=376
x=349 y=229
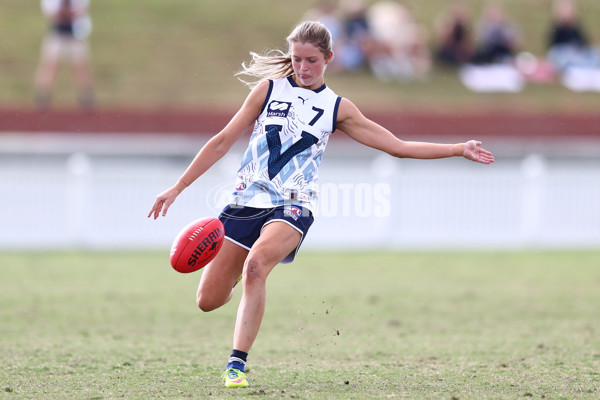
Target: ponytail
x=274 y=64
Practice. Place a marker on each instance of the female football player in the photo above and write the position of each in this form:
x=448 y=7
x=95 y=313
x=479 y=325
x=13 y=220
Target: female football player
x=290 y=113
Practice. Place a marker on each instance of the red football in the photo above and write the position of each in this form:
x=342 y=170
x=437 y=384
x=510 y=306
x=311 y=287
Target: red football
x=197 y=244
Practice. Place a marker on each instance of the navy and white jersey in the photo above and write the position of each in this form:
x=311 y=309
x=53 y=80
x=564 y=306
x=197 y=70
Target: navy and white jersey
x=281 y=163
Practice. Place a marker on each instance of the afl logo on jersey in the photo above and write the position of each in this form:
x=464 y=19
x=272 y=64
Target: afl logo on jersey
x=278 y=109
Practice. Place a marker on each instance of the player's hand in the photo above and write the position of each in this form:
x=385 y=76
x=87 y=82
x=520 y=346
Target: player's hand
x=473 y=151
x=163 y=202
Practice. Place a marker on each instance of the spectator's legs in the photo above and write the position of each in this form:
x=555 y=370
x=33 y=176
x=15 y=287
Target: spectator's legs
x=83 y=74
x=46 y=72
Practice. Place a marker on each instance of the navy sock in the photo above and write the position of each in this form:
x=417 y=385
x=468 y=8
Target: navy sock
x=237 y=360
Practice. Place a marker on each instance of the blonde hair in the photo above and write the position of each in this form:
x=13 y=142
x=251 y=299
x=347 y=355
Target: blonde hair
x=276 y=64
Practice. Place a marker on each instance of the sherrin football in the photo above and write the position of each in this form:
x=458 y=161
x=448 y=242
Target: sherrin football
x=197 y=244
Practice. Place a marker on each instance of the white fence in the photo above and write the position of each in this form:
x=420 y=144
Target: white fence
x=79 y=197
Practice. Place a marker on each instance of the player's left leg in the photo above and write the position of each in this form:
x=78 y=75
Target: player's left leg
x=277 y=240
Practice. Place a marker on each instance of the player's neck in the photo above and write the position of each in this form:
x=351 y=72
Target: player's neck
x=315 y=86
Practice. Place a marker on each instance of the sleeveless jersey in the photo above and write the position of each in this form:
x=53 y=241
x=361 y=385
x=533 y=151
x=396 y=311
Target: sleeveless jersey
x=280 y=165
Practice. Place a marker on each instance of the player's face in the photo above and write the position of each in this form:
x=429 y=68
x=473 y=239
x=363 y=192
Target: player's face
x=309 y=65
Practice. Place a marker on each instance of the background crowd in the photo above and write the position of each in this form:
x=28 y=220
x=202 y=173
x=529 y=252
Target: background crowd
x=484 y=46
x=488 y=49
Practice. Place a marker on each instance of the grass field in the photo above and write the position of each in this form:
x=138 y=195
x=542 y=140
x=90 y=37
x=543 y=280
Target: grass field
x=338 y=326
x=183 y=54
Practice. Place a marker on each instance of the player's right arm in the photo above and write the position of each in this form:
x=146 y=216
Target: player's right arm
x=241 y=123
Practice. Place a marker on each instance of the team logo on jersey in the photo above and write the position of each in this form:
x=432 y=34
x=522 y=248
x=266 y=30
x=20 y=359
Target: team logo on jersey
x=293 y=212
x=241 y=186
x=278 y=109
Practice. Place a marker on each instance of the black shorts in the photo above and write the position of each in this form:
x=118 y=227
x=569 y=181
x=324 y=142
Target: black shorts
x=244 y=224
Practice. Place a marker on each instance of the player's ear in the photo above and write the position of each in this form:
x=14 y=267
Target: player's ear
x=329 y=59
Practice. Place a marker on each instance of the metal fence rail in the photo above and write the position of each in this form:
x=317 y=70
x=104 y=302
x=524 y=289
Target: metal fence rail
x=100 y=201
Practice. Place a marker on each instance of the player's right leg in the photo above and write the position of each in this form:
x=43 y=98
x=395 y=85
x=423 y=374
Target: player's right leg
x=220 y=276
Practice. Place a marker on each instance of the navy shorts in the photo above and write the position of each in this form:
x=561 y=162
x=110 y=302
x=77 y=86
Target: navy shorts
x=244 y=224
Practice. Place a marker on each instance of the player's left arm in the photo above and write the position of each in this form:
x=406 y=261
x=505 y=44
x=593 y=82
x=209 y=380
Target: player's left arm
x=354 y=124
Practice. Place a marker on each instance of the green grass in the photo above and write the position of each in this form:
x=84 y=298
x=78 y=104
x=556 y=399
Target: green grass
x=183 y=54
x=371 y=325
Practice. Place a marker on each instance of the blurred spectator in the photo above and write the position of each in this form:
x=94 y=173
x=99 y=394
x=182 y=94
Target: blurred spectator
x=454 y=44
x=349 y=29
x=359 y=43
x=326 y=13
x=498 y=39
x=493 y=69
x=568 y=45
x=66 y=39
x=402 y=53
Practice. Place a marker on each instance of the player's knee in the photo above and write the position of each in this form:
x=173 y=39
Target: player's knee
x=254 y=271
x=209 y=303
x=206 y=306
x=201 y=303
x=205 y=303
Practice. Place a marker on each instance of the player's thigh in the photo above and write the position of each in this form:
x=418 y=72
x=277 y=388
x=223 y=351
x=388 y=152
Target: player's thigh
x=277 y=240
x=222 y=272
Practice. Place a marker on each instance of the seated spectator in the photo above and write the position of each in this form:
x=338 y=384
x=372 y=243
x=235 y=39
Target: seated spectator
x=358 y=44
x=352 y=40
x=402 y=51
x=492 y=69
x=454 y=46
x=497 y=38
x=568 y=45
